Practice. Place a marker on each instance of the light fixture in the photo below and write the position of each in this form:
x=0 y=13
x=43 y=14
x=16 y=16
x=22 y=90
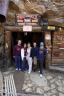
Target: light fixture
x=60 y=28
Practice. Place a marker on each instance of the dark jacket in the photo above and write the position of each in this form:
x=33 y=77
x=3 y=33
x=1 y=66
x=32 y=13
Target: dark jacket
x=34 y=52
x=42 y=54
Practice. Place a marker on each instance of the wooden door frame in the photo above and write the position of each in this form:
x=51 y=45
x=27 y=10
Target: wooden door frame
x=10 y=29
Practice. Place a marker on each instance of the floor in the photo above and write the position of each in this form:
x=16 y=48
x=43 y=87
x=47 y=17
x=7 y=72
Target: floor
x=17 y=83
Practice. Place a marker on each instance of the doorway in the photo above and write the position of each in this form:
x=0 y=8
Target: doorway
x=27 y=37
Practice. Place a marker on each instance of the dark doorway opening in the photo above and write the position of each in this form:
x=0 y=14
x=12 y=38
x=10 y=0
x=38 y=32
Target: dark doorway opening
x=28 y=37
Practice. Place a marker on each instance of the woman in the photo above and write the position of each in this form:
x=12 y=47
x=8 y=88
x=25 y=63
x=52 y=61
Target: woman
x=23 y=56
x=29 y=58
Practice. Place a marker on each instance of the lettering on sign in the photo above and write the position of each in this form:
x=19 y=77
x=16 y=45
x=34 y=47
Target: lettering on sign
x=27 y=28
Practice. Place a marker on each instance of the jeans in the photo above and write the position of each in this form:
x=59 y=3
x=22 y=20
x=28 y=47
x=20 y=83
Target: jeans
x=18 y=62
x=34 y=63
x=24 y=64
x=29 y=64
x=41 y=66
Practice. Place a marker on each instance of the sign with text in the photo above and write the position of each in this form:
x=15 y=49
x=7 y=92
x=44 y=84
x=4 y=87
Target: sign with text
x=27 y=28
x=28 y=19
x=51 y=28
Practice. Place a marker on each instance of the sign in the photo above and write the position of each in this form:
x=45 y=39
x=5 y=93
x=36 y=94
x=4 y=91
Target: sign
x=27 y=28
x=28 y=19
x=35 y=21
x=51 y=28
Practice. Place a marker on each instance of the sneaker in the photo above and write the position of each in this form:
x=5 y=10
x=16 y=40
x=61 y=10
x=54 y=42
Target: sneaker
x=19 y=69
x=16 y=68
x=39 y=71
x=28 y=72
x=41 y=75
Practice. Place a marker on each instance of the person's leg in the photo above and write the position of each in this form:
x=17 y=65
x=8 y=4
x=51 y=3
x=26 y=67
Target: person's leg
x=35 y=63
x=41 y=67
x=23 y=64
x=16 y=62
x=30 y=65
x=20 y=63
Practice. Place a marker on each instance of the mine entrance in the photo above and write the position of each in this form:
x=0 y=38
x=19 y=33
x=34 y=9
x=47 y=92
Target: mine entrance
x=27 y=37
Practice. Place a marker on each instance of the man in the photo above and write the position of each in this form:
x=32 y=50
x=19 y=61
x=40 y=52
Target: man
x=41 y=58
x=17 y=55
x=34 y=55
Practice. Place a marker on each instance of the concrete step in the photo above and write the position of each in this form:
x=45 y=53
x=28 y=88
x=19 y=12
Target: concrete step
x=57 y=68
x=23 y=94
x=57 y=64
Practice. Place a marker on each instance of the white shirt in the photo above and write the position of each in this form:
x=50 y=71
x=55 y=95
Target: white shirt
x=28 y=52
x=22 y=53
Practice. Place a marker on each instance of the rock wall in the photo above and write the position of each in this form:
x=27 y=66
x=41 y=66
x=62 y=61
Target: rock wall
x=58 y=47
x=1 y=46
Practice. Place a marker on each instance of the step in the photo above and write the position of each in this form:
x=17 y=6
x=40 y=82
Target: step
x=57 y=68
x=23 y=94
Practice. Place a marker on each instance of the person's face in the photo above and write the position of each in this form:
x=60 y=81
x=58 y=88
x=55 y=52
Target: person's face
x=24 y=45
x=19 y=42
x=28 y=45
x=34 y=44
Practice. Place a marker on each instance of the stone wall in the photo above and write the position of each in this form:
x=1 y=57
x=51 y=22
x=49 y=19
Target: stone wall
x=4 y=52
x=48 y=45
x=1 y=46
x=58 y=47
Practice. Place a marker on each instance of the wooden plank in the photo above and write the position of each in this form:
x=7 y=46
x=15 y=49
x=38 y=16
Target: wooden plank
x=20 y=29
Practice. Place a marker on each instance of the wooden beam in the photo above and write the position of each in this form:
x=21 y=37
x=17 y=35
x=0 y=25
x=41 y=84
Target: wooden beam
x=20 y=29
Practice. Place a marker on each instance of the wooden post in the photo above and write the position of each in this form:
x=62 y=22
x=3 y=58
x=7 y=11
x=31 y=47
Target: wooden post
x=1 y=46
x=48 y=45
x=8 y=47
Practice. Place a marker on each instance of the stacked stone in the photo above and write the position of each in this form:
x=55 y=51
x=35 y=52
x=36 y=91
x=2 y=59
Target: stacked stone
x=1 y=47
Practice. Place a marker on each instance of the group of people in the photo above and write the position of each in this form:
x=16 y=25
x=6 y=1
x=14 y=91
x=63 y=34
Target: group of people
x=26 y=57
